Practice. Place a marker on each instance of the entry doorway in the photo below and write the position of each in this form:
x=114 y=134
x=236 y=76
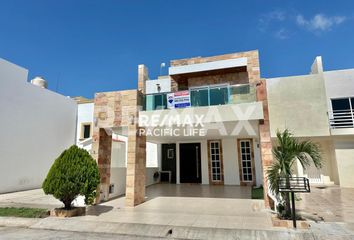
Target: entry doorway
x=190 y=163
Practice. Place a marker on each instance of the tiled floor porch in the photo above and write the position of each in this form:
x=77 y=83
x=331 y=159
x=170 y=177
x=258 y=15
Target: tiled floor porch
x=197 y=190
x=189 y=205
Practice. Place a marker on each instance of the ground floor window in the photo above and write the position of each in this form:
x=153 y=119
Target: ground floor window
x=246 y=160
x=215 y=161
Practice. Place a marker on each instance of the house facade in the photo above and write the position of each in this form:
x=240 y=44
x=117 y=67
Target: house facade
x=213 y=120
x=208 y=118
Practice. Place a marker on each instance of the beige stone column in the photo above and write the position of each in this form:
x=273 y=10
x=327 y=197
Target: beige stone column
x=143 y=75
x=102 y=148
x=136 y=159
x=265 y=139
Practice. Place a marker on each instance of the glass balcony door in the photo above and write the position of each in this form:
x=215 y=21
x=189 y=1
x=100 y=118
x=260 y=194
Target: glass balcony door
x=199 y=97
x=219 y=95
x=209 y=95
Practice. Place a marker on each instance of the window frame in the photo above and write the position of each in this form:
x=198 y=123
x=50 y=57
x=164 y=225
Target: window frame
x=210 y=162
x=82 y=132
x=252 y=162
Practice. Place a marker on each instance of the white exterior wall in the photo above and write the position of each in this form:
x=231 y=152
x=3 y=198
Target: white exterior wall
x=36 y=126
x=119 y=164
x=230 y=158
x=84 y=115
x=299 y=104
x=344 y=151
x=151 y=86
x=339 y=84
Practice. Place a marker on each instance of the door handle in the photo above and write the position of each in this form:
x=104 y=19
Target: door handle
x=197 y=160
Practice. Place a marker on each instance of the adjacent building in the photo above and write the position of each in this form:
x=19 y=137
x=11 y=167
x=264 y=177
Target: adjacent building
x=36 y=126
x=319 y=107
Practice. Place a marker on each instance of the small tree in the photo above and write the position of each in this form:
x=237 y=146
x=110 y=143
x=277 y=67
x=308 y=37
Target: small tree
x=72 y=174
x=287 y=150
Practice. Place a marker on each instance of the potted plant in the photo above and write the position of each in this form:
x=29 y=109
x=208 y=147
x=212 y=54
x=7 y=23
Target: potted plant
x=72 y=174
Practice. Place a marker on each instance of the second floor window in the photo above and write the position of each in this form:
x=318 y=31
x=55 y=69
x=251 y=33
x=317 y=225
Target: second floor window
x=85 y=130
x=342 y=115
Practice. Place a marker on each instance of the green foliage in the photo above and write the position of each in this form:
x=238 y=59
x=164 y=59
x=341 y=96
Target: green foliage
x=257 y=193
x=287 y=150
x=73 y=173
x=23 y=212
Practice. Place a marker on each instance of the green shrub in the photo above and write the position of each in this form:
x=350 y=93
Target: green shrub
x=73 y=173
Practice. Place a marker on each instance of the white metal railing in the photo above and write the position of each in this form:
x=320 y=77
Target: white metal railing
x=341 y=118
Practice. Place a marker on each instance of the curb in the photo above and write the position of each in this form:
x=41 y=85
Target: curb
x=18 y=222
x=165 y=231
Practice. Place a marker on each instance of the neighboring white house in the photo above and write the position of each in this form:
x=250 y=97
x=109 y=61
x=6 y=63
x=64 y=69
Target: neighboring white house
x=319 y=107
x=84 y=123
x=36 y=126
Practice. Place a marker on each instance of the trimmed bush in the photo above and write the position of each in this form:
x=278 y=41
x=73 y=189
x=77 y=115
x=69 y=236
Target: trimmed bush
x=72 y=174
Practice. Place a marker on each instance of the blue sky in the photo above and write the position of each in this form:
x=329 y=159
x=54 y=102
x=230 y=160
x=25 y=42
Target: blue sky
x=83 y=47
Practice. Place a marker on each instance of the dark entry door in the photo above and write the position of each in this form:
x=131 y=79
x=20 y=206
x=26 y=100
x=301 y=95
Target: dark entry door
x=168 y=162
x=190 y=164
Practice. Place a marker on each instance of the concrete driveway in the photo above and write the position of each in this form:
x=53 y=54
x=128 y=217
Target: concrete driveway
x=330 y=203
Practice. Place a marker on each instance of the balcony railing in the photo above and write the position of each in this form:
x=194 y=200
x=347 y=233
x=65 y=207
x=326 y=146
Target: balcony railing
x=341 y=118
x=207 y=96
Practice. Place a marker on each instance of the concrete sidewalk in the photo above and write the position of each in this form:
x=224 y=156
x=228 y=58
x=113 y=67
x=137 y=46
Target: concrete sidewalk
x=113 y=230
x=64 y=225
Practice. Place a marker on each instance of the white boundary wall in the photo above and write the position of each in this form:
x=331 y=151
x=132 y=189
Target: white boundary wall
x=36 y=125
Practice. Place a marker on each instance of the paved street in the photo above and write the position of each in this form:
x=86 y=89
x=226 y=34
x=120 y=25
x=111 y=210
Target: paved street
x=26 y=233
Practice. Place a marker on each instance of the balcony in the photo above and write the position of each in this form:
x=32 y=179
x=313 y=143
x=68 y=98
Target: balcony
x=341 y=122
x=207 y=96
x=341 y=119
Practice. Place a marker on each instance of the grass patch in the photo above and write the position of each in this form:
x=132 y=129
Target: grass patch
x=257 y=193
x=23 y=212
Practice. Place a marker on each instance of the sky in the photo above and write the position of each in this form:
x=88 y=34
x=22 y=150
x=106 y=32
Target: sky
x=83 y=47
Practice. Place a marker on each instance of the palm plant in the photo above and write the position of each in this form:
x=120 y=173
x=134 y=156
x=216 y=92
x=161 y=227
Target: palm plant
x=287 y=151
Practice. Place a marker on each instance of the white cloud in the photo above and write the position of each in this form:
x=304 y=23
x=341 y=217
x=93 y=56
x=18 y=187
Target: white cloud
x=281 y=34
x=319 y=22
x=274 y=16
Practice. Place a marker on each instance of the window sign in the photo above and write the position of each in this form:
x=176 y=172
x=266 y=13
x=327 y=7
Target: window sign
x=182 y=99
x=178 y=100
x=170 y=100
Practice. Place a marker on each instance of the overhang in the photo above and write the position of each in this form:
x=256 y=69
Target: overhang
x=208 y=66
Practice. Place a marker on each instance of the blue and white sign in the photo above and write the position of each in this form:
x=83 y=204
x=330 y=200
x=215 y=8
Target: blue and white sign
x=182 y=99
x=170 y=100
x=178 y=100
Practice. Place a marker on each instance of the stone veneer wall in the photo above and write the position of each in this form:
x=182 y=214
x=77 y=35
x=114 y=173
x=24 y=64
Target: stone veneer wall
x=119 y=109
x=253 y=70
x=265 y=139
x=231 y=78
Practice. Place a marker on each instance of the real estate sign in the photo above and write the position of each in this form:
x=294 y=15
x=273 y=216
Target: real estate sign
x=179 y=99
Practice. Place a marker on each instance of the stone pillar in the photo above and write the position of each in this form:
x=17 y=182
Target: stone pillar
x=136 y=159
x=136 y=166
x=143 y=75
x=103 y=146
x=265 y=139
